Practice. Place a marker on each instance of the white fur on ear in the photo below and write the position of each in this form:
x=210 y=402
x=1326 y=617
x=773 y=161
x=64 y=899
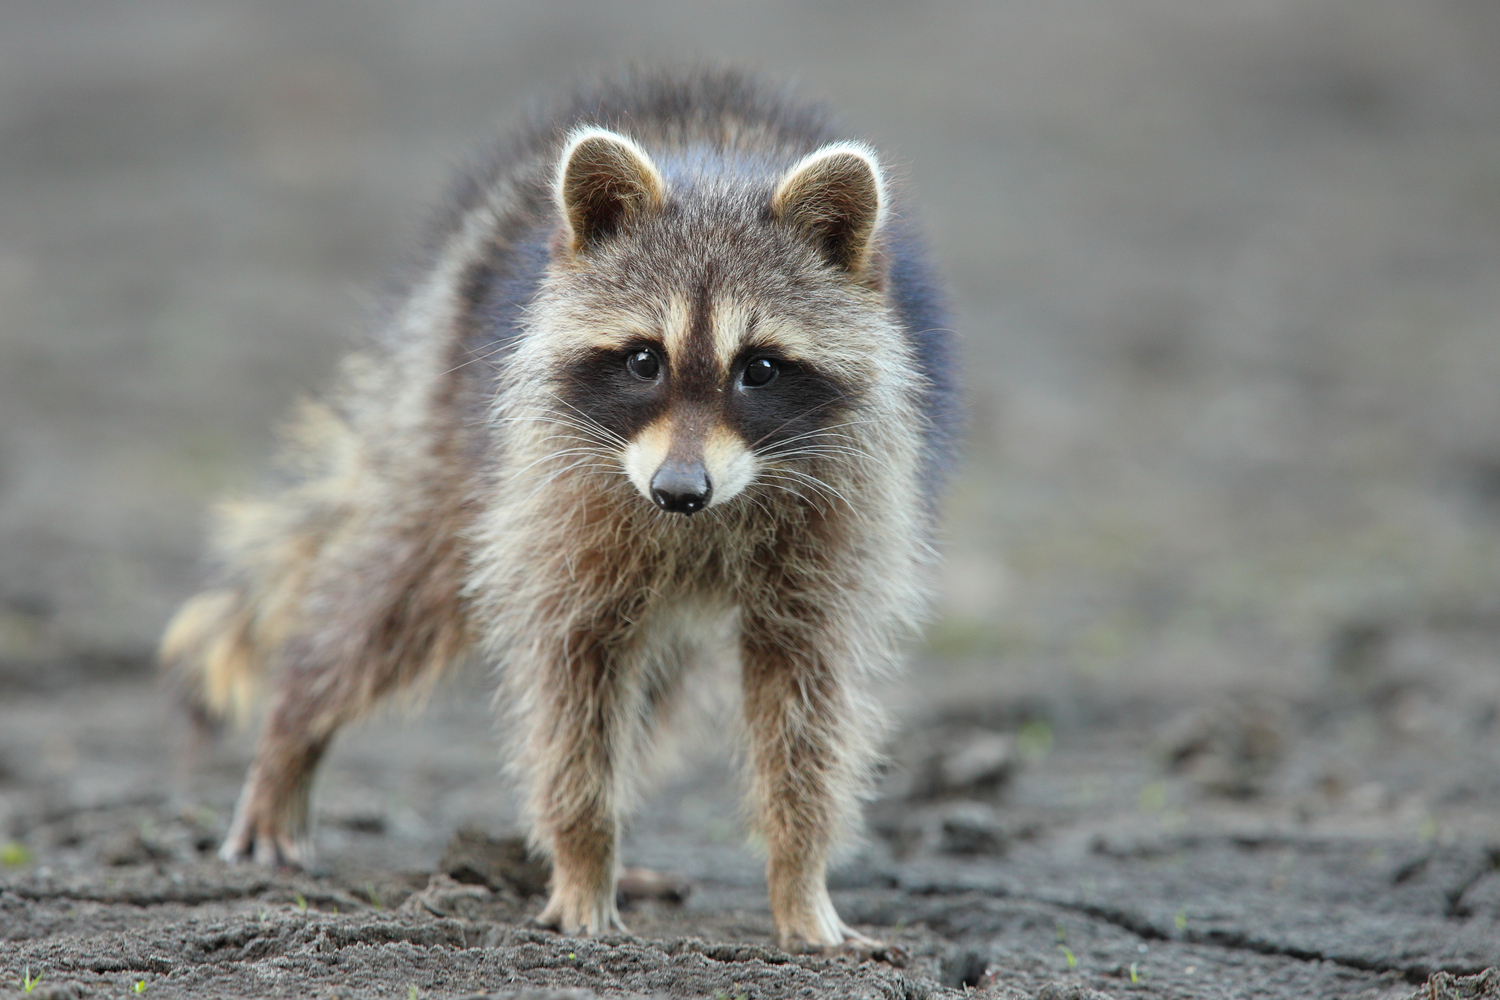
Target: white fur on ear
x=836 y=195
x=603 y=179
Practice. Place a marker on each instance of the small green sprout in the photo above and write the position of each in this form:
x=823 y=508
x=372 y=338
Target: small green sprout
x=1034 y=740
x=14 y=854
x=301 y=902
x=1134 y=972
x=373 y=894
x=140 y=986
x=1181 y=919
x=572 y=957
x=1153 y=797
x=28 y=983
x=411 y=992
x=1068 y=954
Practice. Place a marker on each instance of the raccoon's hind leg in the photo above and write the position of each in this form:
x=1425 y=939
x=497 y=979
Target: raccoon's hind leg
x=270 y=823
x=381 y=611
x=811 y=754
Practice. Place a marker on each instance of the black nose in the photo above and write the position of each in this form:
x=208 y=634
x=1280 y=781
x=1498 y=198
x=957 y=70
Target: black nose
x=681 y=487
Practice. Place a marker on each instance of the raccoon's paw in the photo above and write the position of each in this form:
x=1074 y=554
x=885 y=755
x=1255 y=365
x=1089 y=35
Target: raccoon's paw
x=264 y=844
x=577 y=917
x=868 y=949
x=852 y=943
x=810 y=924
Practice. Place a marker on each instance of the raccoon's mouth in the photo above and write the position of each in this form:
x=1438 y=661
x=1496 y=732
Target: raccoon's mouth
x=680 y=479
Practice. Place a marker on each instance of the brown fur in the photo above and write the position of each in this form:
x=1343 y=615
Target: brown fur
x=476 y=484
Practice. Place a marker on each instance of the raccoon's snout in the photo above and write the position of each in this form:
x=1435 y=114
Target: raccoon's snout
x=681 y=487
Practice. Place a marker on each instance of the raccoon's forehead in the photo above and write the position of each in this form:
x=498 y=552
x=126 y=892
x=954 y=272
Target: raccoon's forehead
x=710 y=289
x=707 y=275
x=702 y=323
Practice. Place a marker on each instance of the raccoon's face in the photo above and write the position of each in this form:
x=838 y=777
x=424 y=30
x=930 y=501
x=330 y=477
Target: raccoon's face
x=704 y=402
x=717 y=339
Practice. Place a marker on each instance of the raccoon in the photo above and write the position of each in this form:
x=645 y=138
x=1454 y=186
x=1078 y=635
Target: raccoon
x=672 y=386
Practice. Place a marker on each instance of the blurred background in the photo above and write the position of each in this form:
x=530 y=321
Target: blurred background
x=1225 y=275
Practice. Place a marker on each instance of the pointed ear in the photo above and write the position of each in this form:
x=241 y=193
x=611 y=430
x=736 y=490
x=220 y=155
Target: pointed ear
x=836 y=195
x=603 y=179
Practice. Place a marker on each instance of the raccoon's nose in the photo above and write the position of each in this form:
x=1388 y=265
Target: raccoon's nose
x=681 y=487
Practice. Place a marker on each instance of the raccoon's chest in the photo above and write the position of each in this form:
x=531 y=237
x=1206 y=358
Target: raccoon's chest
x=689 y=630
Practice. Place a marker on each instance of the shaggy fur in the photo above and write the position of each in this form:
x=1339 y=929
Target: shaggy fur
x=679 y=296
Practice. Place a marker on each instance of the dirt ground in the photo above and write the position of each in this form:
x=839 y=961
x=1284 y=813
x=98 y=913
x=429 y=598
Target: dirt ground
x=1210 y=706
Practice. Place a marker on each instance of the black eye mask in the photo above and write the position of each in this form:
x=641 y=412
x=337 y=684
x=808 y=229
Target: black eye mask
x=768 y=399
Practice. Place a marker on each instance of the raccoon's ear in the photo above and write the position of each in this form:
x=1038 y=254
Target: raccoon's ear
x=603 y=179
x=837 y=196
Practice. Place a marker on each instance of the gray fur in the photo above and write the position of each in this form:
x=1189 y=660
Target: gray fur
x=475 y=482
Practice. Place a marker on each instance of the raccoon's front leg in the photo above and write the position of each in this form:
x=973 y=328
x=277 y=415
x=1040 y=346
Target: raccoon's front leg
x=579 y=748
x=810 y=760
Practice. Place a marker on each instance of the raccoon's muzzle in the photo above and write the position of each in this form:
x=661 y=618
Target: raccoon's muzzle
x=681 y=487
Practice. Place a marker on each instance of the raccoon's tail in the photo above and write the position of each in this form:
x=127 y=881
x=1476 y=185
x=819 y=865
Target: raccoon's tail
x=211 y=660
x=218 y=649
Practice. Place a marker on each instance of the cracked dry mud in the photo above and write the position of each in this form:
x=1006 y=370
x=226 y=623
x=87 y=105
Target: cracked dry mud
x=1210 y=706
x=1106 y=861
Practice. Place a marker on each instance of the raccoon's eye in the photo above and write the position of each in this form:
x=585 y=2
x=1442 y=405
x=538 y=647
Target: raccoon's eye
x=759 y=372
x=644 y=365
